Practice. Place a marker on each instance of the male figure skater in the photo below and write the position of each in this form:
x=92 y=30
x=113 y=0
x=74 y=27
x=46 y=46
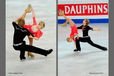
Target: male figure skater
x=86 y=38
x=18 y=40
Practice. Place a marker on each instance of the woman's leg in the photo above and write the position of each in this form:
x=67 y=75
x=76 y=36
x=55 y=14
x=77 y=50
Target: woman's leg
x=22 y=16
x=30 y=43
x=28 y=10
x=64 y=24
x=67 y=19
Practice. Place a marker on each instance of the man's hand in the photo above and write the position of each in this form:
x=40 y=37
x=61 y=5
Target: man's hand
x=96 y=29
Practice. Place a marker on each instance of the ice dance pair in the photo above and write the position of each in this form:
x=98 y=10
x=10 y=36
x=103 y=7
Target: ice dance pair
x=33 y=32
x=85 y=29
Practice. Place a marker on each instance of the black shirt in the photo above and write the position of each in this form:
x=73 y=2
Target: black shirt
x=19 y=33
x=85 y=30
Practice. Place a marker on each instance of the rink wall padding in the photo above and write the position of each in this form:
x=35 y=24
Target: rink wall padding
x=61 y=21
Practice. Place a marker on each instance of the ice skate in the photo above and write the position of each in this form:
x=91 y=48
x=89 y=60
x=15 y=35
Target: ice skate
x=61 y=13
x=76 y=50
x=48 y=52
x=104 y=49
x=30 y=54
x=28 y=10
x=22 y=58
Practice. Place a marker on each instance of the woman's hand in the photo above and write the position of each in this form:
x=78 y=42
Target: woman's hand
x=35 y=38
x=77 y=37
x=30 y=36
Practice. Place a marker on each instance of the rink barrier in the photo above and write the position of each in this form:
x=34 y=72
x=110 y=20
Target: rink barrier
x=95 y=12
x=60 y=21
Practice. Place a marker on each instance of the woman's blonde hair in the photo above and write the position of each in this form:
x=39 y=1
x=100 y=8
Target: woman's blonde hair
x=21 y=22
x=67 y=39
x=42 y=23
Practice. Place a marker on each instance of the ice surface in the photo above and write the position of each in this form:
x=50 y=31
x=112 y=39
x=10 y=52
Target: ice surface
x=90 y=60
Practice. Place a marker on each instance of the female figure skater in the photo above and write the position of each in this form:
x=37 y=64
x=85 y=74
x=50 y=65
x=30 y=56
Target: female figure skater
x=34 y=29
x=74 y=31
x=86 y=38
x=18 y=40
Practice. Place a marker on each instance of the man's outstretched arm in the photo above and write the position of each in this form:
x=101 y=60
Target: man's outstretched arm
x=96 y=29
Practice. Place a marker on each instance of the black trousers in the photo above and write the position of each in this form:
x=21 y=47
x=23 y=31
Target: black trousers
x=22 y=48
x=88 y=40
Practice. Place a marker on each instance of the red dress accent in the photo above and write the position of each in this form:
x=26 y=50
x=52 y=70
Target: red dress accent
x=73 y=31
x=37 y=33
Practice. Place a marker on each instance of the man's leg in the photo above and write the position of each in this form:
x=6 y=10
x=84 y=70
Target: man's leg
x=77 y=44
x=22 y=54
x=35 y=50
x=96 y=45
x=81 y=39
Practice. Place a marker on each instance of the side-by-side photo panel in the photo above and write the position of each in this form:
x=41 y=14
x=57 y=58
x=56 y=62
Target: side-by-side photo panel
x=31 y=38
x=83 y=37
